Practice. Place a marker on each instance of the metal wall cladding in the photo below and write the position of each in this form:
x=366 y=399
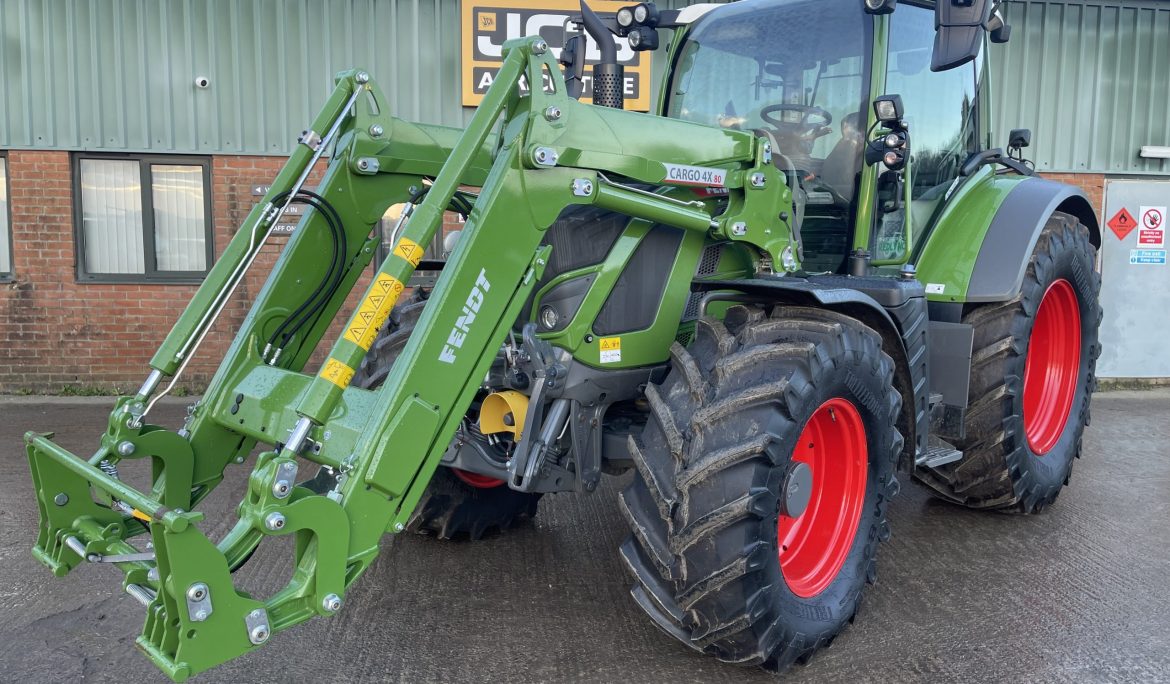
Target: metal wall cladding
x=119 y=75
x=1091 y=78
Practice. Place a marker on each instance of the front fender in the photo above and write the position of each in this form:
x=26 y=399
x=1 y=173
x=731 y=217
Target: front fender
x=982 y=243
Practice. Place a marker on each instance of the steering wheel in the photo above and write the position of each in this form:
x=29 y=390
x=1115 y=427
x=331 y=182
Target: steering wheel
x=806 y=110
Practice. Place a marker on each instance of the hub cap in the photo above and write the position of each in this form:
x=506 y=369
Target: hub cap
x=813 y=546
x=1052 y=367
x=476 y=480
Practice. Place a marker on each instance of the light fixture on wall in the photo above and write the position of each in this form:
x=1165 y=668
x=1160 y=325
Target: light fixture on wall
x=1155 y=152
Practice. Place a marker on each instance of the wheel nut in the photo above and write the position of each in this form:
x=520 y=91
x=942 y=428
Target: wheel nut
x=274 y=521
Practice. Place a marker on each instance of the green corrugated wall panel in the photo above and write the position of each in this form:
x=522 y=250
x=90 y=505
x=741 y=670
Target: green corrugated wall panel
x=1091 y=78
x=118 y=75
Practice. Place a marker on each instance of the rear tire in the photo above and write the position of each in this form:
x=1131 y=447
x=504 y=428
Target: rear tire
x=455 y=503
x=718 y=563
x=1032 y=376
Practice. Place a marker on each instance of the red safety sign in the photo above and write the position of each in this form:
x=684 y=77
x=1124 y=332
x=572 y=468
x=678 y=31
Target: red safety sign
x=1122 y=223
x=1153 y=228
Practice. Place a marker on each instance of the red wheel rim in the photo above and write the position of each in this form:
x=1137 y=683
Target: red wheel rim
x=1052 y=367
x=813 y=546
x=477 y=480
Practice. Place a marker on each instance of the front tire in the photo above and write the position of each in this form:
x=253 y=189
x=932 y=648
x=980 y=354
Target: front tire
x=723 y=557
x=1032 y=376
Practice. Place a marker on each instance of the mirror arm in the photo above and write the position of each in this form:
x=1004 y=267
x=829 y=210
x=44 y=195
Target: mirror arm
x=995 y=155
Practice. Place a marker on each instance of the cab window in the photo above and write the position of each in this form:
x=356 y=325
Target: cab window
x=941 y=108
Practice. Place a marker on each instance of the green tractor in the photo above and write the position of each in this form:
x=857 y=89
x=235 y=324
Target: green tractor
x=807 y=277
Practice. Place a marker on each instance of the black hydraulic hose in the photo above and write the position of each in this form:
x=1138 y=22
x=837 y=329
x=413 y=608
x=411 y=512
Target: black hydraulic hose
x=332 y=277
x=321 y=287
x=458 y=204
x=336 y=271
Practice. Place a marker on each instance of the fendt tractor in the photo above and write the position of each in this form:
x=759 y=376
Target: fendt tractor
x=806 y=277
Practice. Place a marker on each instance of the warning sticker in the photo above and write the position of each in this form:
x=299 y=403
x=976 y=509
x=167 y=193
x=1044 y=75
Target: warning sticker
x=936 y=288
x=1153 y=229
x=410 y=250
x=337 y=373
x=374 y=311
x=1147 y=257
x=611 y=349
x=1122 y=223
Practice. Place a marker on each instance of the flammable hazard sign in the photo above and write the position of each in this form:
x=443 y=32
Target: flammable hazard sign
x=1122 y=223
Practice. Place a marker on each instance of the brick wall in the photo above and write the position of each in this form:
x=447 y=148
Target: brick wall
x=57 y=333
x=1092 y=183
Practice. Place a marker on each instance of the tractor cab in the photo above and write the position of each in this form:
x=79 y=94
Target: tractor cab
x=805 y=74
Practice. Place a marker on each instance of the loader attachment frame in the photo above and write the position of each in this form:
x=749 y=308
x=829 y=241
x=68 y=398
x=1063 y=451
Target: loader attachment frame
x=532 y=154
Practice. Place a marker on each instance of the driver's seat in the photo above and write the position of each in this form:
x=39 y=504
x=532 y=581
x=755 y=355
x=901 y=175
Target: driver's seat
x=839 y=170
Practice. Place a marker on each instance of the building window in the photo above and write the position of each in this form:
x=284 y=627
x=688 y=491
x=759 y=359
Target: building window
x=5 y=223
x=143 y=218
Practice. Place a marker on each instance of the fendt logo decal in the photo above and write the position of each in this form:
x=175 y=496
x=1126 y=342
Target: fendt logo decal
x=681 y=174
x=463 y=323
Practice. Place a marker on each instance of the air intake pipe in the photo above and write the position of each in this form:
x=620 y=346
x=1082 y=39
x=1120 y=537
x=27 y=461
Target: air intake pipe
x=608 y=76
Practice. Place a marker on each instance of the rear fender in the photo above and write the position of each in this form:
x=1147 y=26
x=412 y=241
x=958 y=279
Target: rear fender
x=981 y=245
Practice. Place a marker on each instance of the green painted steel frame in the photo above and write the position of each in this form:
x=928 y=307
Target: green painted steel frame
x=381 y=446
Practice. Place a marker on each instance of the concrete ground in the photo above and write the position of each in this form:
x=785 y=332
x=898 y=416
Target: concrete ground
x=1079 y=593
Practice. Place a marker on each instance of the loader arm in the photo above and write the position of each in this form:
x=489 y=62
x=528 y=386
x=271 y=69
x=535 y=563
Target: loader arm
x=533 y=155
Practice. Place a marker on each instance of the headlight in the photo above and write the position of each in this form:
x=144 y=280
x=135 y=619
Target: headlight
x=625 y=17
x=549 y=317
x=646 y=14
x=643 y=38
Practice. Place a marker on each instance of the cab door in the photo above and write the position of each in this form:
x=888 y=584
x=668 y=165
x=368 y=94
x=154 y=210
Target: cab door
x=943 y=113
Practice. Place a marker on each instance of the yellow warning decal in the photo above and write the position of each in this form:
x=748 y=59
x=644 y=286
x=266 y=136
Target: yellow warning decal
x=375 y=309
x=410 y=250
x=337 y=373
x=611 y=349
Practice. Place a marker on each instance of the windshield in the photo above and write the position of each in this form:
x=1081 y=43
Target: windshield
x=794 y=68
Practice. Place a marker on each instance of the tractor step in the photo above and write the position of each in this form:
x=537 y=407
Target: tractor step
x=937 y=455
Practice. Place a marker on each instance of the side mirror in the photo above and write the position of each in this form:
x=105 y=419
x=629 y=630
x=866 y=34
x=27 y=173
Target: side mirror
x=997 y=26
x=1019 y=138
x=959 y=34
x=573 y=58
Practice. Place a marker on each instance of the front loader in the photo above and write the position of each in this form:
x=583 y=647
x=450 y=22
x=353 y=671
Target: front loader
x=769 y=299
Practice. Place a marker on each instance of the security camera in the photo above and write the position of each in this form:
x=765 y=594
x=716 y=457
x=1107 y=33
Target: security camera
x=202 y=82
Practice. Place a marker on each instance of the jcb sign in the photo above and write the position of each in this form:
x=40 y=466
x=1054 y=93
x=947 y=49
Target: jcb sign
x=488 y=23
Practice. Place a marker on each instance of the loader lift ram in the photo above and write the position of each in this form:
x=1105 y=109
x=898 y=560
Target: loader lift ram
x=630 y=292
